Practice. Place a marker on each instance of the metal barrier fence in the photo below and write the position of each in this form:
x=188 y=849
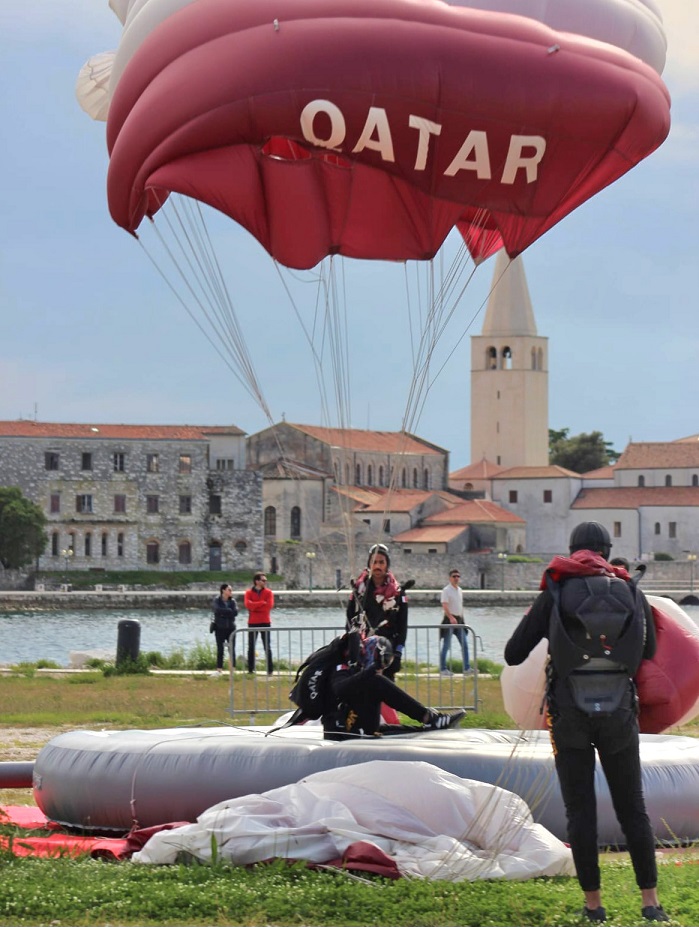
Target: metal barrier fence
x=262 y=692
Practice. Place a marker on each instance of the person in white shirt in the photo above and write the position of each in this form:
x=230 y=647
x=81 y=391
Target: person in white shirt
x=453 y=605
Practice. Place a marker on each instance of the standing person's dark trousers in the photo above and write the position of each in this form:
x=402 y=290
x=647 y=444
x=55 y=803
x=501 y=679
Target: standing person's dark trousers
x=266 y=645
x=222 y=635
x=573 y=734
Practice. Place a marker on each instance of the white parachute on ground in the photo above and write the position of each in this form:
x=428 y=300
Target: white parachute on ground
x=434 y=825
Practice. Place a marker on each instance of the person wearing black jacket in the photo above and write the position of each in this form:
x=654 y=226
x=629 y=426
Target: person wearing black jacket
x=358 y=687
x=599 y=627
x=225 y=612
x=379 y=605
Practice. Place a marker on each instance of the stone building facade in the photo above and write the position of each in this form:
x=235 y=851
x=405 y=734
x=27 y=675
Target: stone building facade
x=127 y=497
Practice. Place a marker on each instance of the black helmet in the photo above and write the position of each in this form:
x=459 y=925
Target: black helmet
x=377 y=651
x=591 y=535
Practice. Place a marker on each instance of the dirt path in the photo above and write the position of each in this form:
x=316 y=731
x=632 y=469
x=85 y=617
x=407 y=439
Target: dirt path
x=23 y=743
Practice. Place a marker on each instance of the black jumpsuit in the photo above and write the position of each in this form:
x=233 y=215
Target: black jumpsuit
x=574 y=736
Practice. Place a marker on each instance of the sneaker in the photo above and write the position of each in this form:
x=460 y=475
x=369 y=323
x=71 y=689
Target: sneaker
x=468 y=671
x=597 y=915
x=442 y=720
x=654 y=913
x=445 y=672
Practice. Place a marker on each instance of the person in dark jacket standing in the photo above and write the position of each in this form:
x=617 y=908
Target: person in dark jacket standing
x=358 y=688
x=379 y=605
x=225 y=612
x=599 y=626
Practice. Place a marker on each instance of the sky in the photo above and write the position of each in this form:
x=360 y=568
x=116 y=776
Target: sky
x=90 y=332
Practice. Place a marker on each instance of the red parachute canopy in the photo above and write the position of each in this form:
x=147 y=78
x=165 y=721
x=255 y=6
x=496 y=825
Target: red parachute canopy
x=370 y=128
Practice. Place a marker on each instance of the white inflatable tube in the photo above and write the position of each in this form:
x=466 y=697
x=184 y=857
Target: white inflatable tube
x=106 y=781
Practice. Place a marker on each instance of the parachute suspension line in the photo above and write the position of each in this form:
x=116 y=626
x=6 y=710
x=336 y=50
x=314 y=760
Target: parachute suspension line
x=186 y=270
x=194 y=230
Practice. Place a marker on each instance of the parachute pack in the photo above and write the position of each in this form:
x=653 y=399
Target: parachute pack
x=597 y=639
x=310 y=691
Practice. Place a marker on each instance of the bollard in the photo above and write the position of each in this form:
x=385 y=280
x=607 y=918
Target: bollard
x=128 y=640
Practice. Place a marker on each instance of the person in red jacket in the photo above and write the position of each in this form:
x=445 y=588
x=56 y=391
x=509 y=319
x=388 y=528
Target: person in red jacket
x=259 y=601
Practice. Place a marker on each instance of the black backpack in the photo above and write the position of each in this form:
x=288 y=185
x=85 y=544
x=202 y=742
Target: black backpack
x=598 y=646
x=310 y=691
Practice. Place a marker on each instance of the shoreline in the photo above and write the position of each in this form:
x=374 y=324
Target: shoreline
x=31 y=600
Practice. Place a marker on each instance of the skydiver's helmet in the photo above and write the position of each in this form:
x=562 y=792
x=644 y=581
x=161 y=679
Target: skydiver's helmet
x=376 y=651
x=591 y=535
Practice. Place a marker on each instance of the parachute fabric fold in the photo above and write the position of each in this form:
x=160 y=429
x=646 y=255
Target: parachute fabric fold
x=371 y=128
x=436 y=825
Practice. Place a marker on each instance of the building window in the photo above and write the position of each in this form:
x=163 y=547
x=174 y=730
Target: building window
x=51 y=460
x=358 y=475
x=86 y=461
x=152 y=552
x=387 y=526
x=695 y=480
x=657 y=527
x=381 y=477
x=295 y=523
x=55 y=503
x=672 y=529
x=617 y=529
x=641 y=481
x=513 y=496
x=404 y=478
x=185 y=505
x=241 y=547
x=54 y=544
x=184 y=552
x=548 y=495
x=153 y=463
x=120 y=504
x=415 y=486
x=214 y=505
x=369 y=475
x=668 y=480
x=270 y=521
x=88 y=544
x=105 y=543
x=119 y=462
x=83 y=504
x=185 y=463
x=152 y=505
x=431 y=550
x=225 y=464
x=120 y=544
x=426 y=479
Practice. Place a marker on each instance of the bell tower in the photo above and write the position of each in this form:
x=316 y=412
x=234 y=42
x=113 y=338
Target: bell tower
x=509 y=376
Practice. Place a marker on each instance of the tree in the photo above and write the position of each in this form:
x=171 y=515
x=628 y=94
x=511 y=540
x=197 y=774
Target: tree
x=582 y=452
x=22 y=524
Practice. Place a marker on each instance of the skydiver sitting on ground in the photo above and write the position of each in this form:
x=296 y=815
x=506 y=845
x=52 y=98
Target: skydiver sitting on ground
x=358 y=687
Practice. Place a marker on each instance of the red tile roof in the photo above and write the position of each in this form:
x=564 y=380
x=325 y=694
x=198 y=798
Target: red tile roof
x=27 y=428
x=602 y=473
x=634 y=497
x=385 y=442
x=399 y=500
x=660 y=455
x=535 y=473
x=430 y=534
x=474 y=512
x=482 y=470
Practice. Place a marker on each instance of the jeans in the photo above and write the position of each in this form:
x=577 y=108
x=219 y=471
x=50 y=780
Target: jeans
x=460 y=633
x=222 y=636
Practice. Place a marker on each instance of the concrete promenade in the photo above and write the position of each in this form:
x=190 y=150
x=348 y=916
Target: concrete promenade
x=11 y=601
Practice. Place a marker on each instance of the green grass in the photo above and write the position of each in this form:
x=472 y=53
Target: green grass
x=86 y=579
x=89 y=892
